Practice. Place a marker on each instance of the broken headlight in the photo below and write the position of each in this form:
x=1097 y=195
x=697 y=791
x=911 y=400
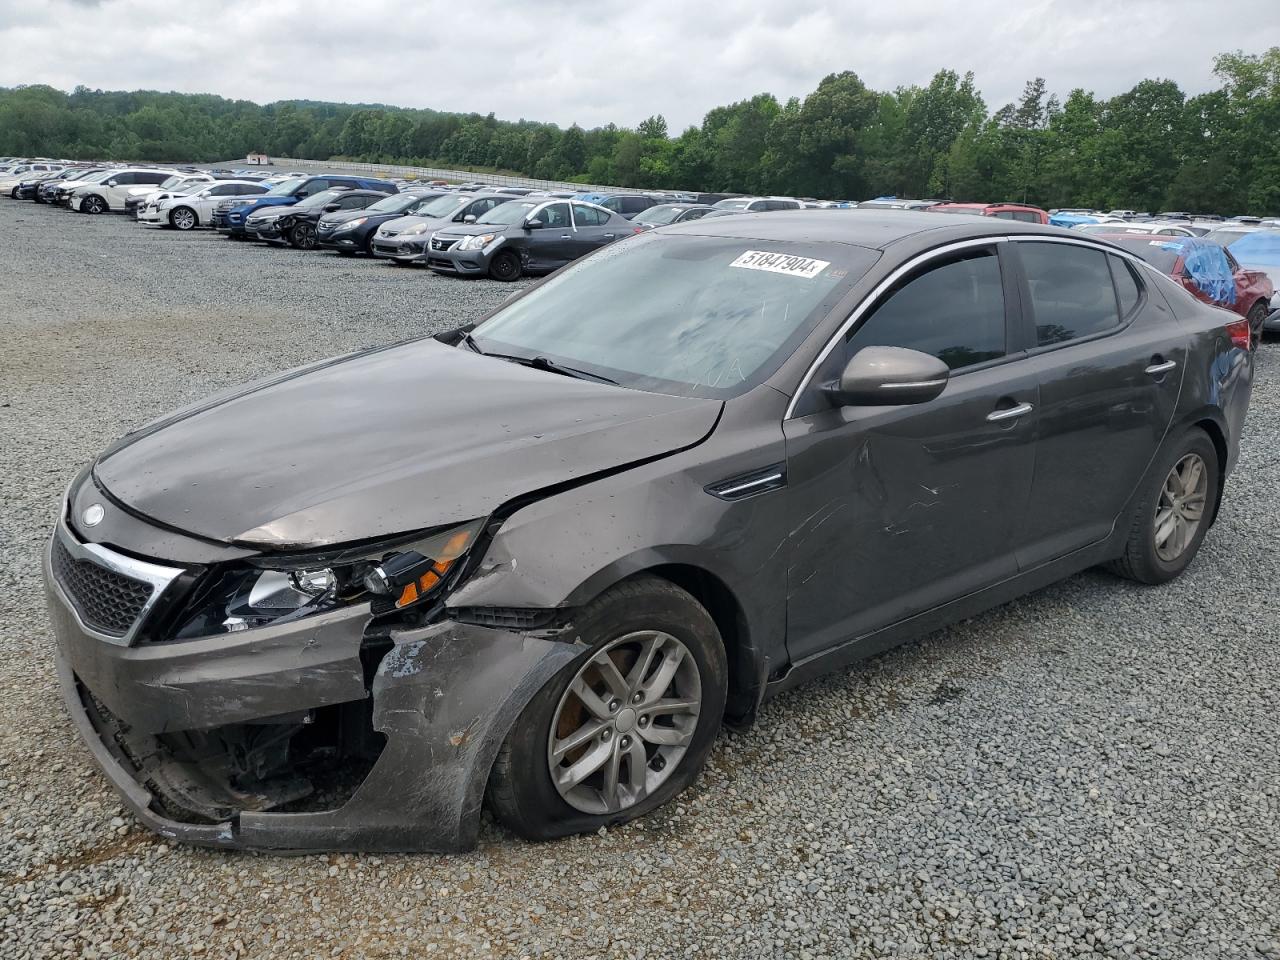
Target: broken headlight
x=277 y=588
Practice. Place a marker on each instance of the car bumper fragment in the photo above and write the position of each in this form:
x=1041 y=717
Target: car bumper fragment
x=444 y=696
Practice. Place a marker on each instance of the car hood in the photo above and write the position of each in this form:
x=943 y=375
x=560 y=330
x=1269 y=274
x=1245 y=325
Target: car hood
x=402 y=223
x=385 y=442
x=342 y=216
x=473 y=229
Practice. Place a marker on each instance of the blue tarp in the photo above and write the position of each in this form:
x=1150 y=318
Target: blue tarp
x=1259 y=249
x=1207 y=266
x=1070 y=220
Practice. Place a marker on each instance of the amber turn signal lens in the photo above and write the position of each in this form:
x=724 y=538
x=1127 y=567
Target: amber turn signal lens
x=424 y=584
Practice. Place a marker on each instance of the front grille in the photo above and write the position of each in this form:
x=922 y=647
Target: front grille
x=107 y=601
x=442 y=243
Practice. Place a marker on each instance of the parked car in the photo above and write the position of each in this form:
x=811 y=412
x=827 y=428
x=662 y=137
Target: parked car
x=1256 y=248
x=109 y=193
x=627 y=205
x=298 y=224
x=897 y=203
x=1209 y=272
x=535 y=562
x=1133 y=228
x=757 y=204
x=261 y=224
x=1001 y=211
x=526 y=237
x=59 y=192
x=27 y=187
x=138 y=197
x=187 y=211
x=407 y=239
x=663 y=214
x=44 y=189
x=352 y=231
x=10 y=178
x=230 y=219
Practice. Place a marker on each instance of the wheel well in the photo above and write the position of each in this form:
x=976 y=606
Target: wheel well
x=1220 y=447
x=719 y=601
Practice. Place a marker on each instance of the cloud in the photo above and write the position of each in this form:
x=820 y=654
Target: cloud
x=591 y=63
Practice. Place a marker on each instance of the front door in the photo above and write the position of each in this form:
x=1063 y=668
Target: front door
x=897 y=509
x=1109 y=356
x=551 y=245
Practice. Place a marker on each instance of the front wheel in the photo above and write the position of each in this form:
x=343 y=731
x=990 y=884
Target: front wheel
x=505 y=266
x=1257 y=317
x=1173 y=514
x=183 y=218
x=303 y=236
x=626 y=726
x=93 y=204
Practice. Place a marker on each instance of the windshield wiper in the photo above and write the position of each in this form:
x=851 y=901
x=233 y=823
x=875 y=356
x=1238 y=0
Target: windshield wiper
x=470 y=341
x=542 y=363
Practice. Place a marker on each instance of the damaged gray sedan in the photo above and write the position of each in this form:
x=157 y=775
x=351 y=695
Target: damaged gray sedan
x=537 y=561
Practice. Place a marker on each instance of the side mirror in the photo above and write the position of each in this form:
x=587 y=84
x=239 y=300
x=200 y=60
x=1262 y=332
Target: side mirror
x=113 y=183
x=330 y=207
x=533 y=223
x=469 y=218
x=888 y=376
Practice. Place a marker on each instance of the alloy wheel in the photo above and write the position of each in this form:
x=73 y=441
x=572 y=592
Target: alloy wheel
x=1180 y=509
x=93 y=205
x=184 y=219
x=625 y=722
x=305 y=237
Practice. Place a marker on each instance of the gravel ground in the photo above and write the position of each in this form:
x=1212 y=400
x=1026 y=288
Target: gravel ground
x=1090 y=770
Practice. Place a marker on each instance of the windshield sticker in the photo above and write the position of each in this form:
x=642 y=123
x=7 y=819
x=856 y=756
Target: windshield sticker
x=781 y=263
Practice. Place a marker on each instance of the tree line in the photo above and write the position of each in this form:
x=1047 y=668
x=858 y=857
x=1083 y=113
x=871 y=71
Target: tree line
x=1150 y=148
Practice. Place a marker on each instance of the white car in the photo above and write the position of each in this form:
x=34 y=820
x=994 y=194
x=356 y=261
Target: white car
x=24 y=171
x=758 y=204
x=1156 y=228
x=137 y=197
x=186 y=211
x=110 y=193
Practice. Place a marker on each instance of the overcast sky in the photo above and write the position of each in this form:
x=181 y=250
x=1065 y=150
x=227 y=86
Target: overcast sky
x=595 y=61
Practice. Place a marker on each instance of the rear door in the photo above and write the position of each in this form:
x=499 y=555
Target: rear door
x=1109 y=356
x=592 y=228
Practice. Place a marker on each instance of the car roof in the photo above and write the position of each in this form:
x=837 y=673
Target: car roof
x=875 y=229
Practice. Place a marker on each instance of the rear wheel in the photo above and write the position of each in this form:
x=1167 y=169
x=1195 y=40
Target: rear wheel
x=303 y=236
x=1257 y=316
x=1173 y=514
x=183 y=218
x=505 y=266
x=623 y=728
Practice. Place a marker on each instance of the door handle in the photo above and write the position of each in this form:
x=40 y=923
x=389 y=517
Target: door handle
x=566 y=236
x=1022 y=409
x=1158 y=368
x=609 y=236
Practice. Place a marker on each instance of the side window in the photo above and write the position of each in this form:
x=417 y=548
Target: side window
x=124 y=179
x=584 y=216
x=354 y=203
x=314 y=186
x=556 y=215
x=613 y=203
x=1071 y=291
x=1127 y=290
x=1004 y=215
x=954 y=311
x=152 y=178
x=636 y=204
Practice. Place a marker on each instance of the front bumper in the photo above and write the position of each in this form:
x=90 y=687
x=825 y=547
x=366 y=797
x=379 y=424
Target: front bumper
x=467 y=263
x=444 y=696
x=150 y=214
x=401 y=247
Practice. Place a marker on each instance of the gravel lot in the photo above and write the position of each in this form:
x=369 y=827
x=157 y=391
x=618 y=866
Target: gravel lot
x=1091 y=770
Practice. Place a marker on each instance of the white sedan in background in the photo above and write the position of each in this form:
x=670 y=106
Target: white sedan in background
x=186 y=211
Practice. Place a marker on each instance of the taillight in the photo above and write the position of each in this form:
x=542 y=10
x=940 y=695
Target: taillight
x=637 y=229
x=1238 y=331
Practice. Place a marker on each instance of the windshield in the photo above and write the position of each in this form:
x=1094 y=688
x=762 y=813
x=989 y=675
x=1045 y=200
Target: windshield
x=675 y=314
x=660 y=215
x=395 y=203
x=511 y=212
x=444 y=206
x=732 y=204
x=319 y=199
x=1162 y=254
x=1226 y=236
x=286 y=188
x=96 y=177
x=971 y=211
x=1258 y=249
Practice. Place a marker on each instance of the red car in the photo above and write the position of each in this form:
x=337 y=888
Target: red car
x=1005 y=211
x=1253 y=288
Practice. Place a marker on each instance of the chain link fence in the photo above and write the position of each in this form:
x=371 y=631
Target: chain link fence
x=436 y=173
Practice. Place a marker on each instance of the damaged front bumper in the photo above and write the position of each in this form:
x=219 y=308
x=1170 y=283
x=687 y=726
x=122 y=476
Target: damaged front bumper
x=443 y=696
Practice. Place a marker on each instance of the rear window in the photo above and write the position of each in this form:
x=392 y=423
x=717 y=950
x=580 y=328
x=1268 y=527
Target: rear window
x=1072 y=294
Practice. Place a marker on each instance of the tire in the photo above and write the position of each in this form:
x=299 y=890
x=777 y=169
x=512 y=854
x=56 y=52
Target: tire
x=1165 y=497
x=303 y=237
x=644 y=617
x=183 y=218
x=505 y=266
x=397 y=263
x=1257 y=317
x=93 y=204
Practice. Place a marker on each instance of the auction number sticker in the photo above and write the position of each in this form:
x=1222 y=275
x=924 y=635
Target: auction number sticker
x=792 y=266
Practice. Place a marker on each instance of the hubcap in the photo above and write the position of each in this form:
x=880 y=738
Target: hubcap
x=1180 y=510
x=605 y=757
